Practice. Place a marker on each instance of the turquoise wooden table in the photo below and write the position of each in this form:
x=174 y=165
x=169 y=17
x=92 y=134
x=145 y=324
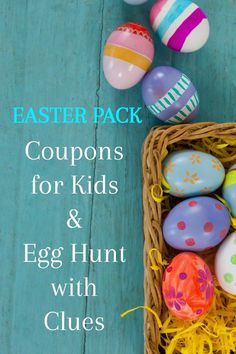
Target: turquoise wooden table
x=51 y=55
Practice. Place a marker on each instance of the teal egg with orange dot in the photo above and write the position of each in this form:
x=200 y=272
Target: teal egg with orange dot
x=225 y=264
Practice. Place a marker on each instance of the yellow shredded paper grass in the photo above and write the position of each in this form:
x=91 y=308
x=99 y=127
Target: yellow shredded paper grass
x=214 y=332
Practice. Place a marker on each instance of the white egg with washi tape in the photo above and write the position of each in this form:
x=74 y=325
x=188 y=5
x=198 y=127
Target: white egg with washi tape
x=181 y=24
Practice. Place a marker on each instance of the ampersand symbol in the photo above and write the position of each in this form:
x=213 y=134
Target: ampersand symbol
x=73 y=222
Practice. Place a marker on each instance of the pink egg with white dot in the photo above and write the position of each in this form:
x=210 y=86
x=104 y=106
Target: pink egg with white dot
x=197 y=224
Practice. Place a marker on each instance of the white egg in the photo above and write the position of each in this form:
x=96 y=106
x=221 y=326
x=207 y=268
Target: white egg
x=135 y=2
x=225 y=264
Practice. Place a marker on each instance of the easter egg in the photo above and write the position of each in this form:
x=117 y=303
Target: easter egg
x=190 y=173
x=196 y=224
x=128 y=54
x=225 y=264
x=135 y=2
x=229 y=189
x=170 y=95
x=181 y=25
x=188 y=287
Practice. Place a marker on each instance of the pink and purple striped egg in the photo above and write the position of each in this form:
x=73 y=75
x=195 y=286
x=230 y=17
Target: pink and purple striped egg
x=181 y=24
x=170 y=95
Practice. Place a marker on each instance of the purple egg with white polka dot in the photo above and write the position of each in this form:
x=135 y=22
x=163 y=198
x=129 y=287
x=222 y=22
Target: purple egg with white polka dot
x=197 y=224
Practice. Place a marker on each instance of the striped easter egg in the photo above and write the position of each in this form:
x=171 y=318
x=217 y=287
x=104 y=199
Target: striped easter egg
x=128 y=54
x=170 y=95
x=181 y=24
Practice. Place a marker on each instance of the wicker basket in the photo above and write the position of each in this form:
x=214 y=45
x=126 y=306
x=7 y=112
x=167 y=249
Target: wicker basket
x=158 y=142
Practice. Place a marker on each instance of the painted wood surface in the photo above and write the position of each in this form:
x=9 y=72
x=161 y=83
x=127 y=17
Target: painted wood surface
x=51 y=55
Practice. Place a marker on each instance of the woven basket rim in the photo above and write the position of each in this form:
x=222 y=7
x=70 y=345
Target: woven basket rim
x=155 y=144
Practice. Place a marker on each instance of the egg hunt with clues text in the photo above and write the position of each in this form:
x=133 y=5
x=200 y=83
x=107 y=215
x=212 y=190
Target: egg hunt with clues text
x=44 y=256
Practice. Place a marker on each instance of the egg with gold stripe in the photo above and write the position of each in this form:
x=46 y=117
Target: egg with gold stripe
x=181 y=24
x=229 y=189
x=128 y=54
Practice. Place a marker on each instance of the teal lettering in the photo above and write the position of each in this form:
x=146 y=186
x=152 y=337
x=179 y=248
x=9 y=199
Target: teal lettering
x=18 y=115
x=134 y=118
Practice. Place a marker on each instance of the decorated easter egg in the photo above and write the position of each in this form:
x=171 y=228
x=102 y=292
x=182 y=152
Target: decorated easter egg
x=128 y=54
x=225 y=264
x=135 y=2
x=188 y=287
x=170 y=95
x=181 y=25
x=196 y=224
x=190 y=173
x=229 y=189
